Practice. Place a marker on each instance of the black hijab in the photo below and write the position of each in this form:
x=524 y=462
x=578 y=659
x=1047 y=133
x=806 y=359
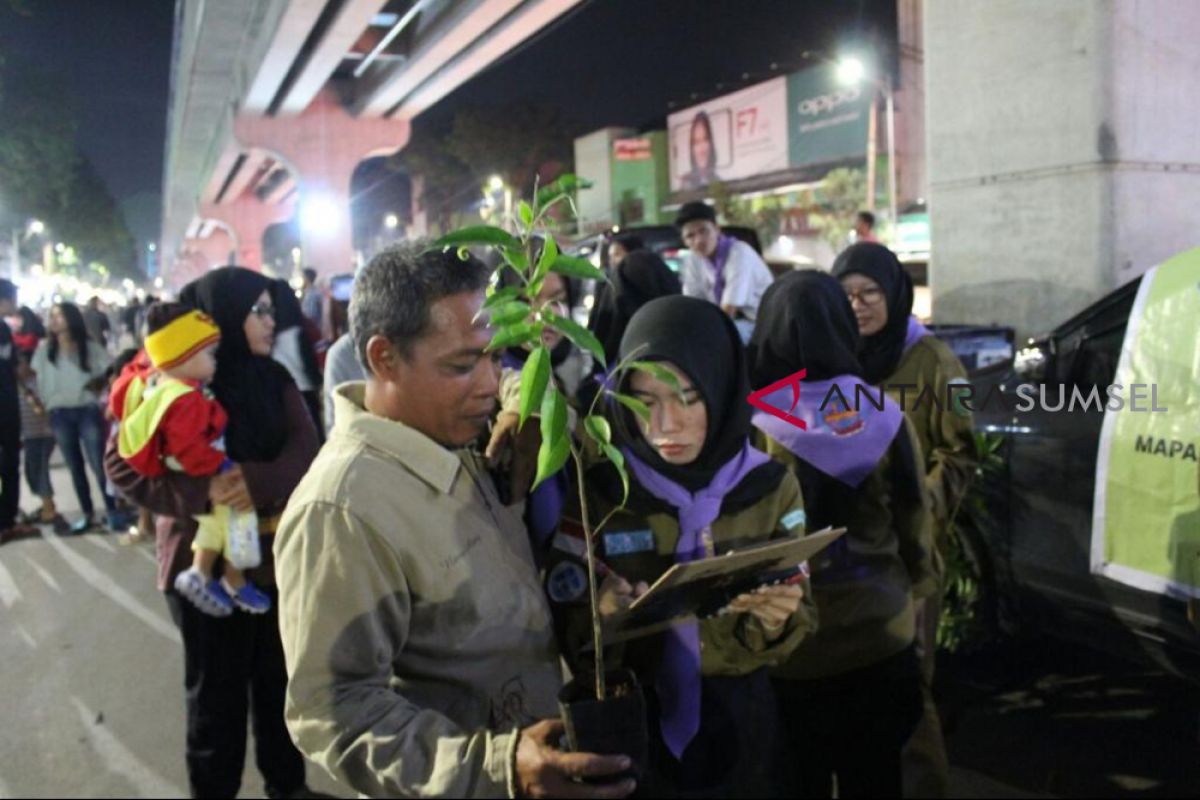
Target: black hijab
x=701 y=340
x=880 y=353
x=249 y=387
x=804 y=322
x=288 y=314
x=639 y=278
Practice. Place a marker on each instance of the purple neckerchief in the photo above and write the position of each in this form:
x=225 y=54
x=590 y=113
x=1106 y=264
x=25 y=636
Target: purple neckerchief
x=842 y=442
x=678 y=681
x=915 y=333
x=724 y=246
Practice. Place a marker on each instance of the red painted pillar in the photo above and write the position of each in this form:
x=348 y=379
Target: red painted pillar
x=250 y=218
x=323 y=146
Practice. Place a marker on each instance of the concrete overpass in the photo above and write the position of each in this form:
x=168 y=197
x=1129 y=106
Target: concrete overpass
x=275 y=102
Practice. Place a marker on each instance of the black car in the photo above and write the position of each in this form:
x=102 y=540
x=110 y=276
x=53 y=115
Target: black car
x=1034 y=555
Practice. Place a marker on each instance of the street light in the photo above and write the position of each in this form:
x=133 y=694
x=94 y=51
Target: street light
x=320 y=216
x=37 y=227
x=391 y=222
x=851 y=72
x=496 y=184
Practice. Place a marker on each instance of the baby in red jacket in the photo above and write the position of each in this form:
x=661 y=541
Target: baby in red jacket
x=169 y=421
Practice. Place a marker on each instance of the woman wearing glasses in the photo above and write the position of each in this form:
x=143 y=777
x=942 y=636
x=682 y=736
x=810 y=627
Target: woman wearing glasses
x=897 y=350
x=271 y=438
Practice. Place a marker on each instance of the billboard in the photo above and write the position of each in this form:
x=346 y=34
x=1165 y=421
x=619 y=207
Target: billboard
x=736 y=136
x=827 y=121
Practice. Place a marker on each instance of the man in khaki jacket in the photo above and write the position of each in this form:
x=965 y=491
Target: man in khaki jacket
x=419 y=644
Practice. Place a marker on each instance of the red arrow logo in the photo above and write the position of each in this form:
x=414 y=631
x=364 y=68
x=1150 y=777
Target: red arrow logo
x=756 y=399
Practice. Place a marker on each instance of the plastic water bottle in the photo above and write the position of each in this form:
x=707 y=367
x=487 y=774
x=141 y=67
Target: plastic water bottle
x=245 y=551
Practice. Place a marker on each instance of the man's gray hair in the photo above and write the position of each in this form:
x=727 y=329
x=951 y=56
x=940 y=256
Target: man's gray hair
x=394 y=292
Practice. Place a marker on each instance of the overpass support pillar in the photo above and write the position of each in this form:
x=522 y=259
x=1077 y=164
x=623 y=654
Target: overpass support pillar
x=322 y=147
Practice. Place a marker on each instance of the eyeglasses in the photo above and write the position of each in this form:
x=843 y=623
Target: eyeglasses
x=263 y=310
x=868 y=297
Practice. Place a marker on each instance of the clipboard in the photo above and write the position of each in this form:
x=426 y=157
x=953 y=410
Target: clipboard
x=700 y=588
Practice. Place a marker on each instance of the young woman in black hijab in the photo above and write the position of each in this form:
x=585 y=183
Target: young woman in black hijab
x=697 y=488
x=271 y=438
x=850 y=693
x=638 y=278
x=902 y=352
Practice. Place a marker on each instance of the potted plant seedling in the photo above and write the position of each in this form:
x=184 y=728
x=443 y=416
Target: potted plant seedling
x=603 y=712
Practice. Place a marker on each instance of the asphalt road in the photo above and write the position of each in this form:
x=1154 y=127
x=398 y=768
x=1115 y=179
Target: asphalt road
x=92 y=705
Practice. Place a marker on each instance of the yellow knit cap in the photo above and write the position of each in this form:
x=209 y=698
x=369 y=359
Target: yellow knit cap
x=181 y=338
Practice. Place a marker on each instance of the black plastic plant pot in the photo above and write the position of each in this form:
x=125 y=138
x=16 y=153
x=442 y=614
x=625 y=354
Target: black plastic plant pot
x=615 y=725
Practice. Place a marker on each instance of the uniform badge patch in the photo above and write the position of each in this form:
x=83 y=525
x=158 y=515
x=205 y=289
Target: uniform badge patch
x=566 y=582
x=795 y=518
x=623 y=543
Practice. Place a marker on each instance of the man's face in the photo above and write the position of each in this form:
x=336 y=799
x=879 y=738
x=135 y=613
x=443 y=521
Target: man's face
x=701 y=236
x=447 y=386
x=7 y=307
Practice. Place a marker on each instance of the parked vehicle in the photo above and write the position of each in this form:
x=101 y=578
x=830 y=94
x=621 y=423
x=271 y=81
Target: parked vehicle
x=1035 y=557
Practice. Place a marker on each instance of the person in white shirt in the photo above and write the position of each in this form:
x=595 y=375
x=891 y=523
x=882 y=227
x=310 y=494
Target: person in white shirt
x=720 y=268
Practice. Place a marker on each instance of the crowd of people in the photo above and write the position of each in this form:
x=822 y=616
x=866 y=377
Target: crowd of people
x=406 y=608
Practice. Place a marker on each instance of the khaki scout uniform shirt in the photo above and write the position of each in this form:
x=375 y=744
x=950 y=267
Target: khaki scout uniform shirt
x=945 y=433
x=640 y=546
x=864 y=584
x=417 y=636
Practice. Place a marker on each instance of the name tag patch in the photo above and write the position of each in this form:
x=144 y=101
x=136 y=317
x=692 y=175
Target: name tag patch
x=794 y=519
x=623 y=543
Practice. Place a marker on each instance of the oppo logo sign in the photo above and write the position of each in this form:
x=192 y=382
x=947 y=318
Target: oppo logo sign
x=824 y=103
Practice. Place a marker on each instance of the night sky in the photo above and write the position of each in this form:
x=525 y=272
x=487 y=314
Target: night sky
x=115 y=57
x=611 y=62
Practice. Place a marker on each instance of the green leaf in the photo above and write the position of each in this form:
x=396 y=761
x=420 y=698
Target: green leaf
x=660 y=372
x=549 y=254
x=618 y=461
x=514 y=336
x=525 y=213
x=556 y=442
x=534 y=377
x=598 y=428
x=564 y=185
x=634 y=405
x=551 y=459
x=554 y=416
x=578 y=334
x=511 y=312
x=576 y=267
x=477 y=234
x=516 y=258
x=501 y=296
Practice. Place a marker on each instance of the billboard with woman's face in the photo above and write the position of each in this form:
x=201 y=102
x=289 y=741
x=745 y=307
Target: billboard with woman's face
x=732 y=137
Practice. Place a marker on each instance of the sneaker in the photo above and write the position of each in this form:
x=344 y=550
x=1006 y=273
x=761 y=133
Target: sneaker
x=81 y=525
x=249 y=598
x=199 y=592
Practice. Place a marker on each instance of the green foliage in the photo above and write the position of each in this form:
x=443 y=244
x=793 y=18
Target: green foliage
x=962 y=625
x=44 y=176
x=841 y=195
x=532 y=252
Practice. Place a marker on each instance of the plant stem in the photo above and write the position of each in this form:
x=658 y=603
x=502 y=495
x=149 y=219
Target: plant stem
x=597 y=631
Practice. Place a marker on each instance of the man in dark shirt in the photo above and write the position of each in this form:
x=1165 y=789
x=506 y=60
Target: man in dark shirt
x=10 y=424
